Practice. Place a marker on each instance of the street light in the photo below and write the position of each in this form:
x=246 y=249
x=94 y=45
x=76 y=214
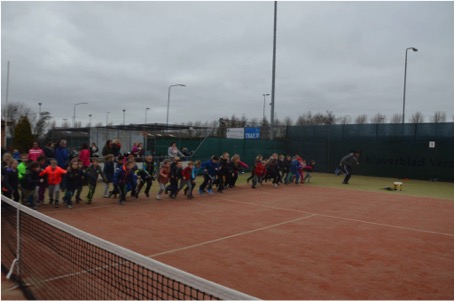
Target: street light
x=124 y=116
x=39 y=112
x=169 y=100
x=107 y=117
x=90 y=120
x=263 y=107
x=146 y=110
x=74 y=112
x=405 y=70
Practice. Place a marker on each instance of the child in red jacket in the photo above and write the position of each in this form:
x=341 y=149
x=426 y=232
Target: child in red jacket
x=187 y=180
x=54 y=178
x=258 y=171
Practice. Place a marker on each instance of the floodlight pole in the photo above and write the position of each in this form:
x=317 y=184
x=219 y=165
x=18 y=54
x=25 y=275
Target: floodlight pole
x=6 y=105
x=74 y=112
x=169 y=100
x=263 y=107
x=272 y=103
x=405 y=71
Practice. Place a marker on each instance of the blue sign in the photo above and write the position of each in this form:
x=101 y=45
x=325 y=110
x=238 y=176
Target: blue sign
x=252 y=133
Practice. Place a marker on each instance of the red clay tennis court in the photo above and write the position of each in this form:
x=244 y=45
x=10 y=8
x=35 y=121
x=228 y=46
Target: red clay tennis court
x=291 y=242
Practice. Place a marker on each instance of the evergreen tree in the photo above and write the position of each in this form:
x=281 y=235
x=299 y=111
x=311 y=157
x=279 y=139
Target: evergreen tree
x=23 y=138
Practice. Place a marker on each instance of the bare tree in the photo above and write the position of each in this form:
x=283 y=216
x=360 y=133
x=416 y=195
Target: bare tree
x=287 y=121
x=438 y=117
x=14 y=111
x=346 y=119
x=254 y=122
x=416 y=118
x=361 y=119
x=378 y=118
x=42 y=124
x=396 y=118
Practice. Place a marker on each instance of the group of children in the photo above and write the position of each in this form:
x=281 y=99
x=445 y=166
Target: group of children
x=32 y=178
x=125 y=175
x=281 y=170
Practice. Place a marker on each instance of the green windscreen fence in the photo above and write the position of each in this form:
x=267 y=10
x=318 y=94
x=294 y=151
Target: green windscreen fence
x=415 y=151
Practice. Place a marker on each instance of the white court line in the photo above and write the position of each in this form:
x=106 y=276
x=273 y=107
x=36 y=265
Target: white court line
x=338 y=217
x=231 y=236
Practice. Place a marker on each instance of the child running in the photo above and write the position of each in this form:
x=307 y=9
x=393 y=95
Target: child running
x=163 y=178
x=92 y=173
x=54 y=178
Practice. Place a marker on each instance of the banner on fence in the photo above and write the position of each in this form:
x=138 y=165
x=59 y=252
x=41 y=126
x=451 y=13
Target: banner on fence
x=252 y=133
x=235 y=133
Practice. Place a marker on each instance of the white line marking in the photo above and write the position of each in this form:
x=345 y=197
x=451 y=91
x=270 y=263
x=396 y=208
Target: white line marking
x=338 y=217
x=232 y=236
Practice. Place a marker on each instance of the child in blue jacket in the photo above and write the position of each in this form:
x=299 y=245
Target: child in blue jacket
x=210 y=169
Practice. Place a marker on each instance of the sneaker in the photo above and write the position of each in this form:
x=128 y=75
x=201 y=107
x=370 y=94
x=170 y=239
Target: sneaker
x=51 y=202
x=201 y=191
x=158 y=197
x=69 y=206
x=345 y=182
x=56 y=205
x=147 y=194
x=106 y=195
x=89 y=202
x=210 y=191
x=189 y=196
x=275 y=185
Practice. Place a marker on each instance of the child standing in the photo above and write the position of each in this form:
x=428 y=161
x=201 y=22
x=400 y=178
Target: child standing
x=54 y=178
x=163 y=178
x=92 y=173
x=108 y=171
x=10 y=181
x=21 y=170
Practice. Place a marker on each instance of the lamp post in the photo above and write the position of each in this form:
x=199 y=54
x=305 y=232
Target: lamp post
x=39 y=111
x=123 y=116
x=263 y=107
x=169 y=100
x=107 y=117
x=74 y=112
x=405 y=70
x=146 y=110
x=90 y=120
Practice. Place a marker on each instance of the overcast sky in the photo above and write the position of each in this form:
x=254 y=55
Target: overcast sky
x=344 y=57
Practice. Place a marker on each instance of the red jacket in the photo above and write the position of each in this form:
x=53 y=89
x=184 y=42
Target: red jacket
x=186 y=173
x=259 y=168
x=54 y=176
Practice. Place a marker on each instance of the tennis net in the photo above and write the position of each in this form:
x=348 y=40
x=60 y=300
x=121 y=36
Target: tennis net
x=55 y=261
